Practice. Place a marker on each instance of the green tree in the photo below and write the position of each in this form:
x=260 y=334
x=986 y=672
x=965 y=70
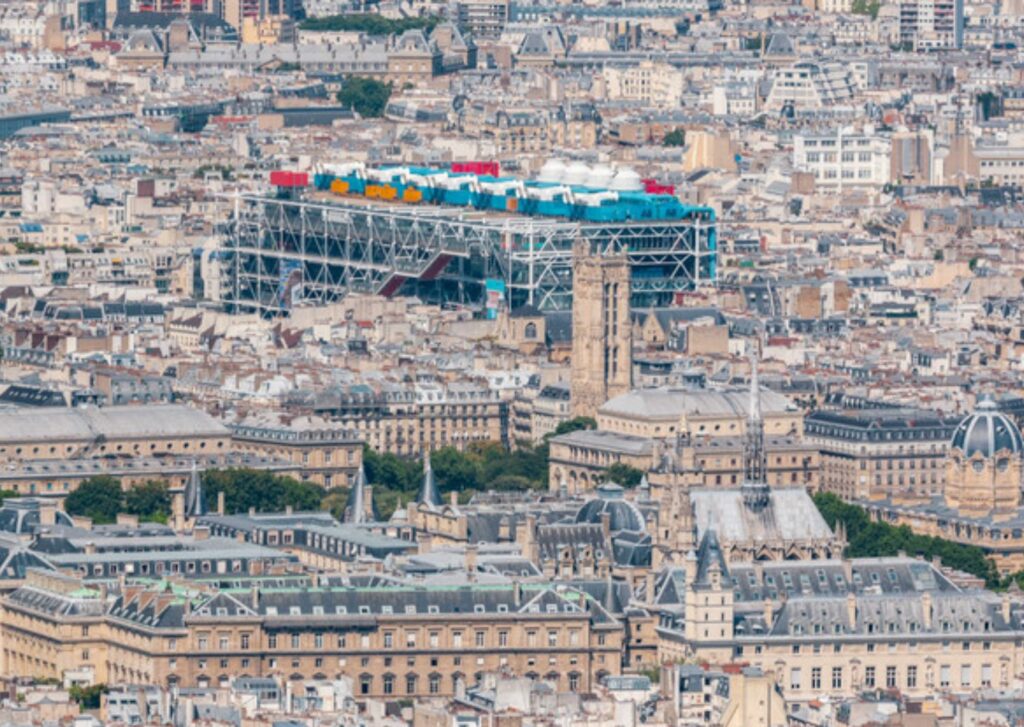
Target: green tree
x=574 y=425
x=623 y=474
x=455 y=470
x=866 y=7
x=264 y=491
x=369 y=23
x=388 y=501
x=334 y=502
x=366 y=96
x=87 y=697
x=99 y=498
x=391 y=471
x=676 y=137
x=512 y=483
x=150 y=501
x=869 y=539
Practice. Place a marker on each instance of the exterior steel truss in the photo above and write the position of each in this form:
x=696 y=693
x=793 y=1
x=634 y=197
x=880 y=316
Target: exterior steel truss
x=279 y=251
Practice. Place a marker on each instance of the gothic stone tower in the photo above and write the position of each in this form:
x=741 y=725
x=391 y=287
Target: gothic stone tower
x=602 y=355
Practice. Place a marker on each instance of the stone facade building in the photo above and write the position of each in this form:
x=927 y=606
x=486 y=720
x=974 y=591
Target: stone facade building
x=602 y=352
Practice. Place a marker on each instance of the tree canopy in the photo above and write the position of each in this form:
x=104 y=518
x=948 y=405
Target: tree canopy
x=676 y=137
x=369 y=23
x=574 y=425
x=99 y=498
x=368 y=97
x=623 y=474
x=869 y=539
x=264 y=491
x=150 y=501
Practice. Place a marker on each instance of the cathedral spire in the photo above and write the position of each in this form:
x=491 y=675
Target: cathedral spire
x=428 y=495
x=355 y=511
x=755 y=459
x=194 y=493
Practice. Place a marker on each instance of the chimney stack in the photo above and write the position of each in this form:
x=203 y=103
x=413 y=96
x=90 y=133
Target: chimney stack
x=220 y=502
x=471 y=559
x=769 y=614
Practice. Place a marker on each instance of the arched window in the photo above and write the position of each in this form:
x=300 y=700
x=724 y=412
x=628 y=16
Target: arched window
x=531 y=331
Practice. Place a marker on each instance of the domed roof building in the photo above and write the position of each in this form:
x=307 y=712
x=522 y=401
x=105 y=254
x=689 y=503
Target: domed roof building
x=622 y=514
x=983 y=470
x=625 y=526
x=987 y=431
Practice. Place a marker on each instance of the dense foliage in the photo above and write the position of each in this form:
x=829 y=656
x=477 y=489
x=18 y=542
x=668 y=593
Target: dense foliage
x=99 y=498
x=483 y=466
x=369 y=23
x=623 y=474
x=368 y=97
x=87 y=697
x=102 y=499
x=151 y=501
x=676 y=137
x=264 y=491
x=875 y=539
x=866 y=7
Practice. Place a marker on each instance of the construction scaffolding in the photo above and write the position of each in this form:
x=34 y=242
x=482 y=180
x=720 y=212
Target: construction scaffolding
x=282 y=251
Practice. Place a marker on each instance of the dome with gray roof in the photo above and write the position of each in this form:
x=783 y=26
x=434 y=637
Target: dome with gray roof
x=986 y=432
x=623 y=515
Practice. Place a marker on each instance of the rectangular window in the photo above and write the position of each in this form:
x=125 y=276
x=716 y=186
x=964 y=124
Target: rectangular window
x=389 y=639
x=552 y=638
x=965 y=675
x=795 y=678
x=986 y=675
x=272 y=641
x=245 y=641
x=479 y=638
x=945 y=675
x=912 y=676
x=869 y=677
x=816 y=678
x=837 y=677
x=890 y=676
x=503 y=638
x=296 y=641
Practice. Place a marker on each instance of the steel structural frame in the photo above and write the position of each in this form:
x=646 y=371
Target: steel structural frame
x=339 y=245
